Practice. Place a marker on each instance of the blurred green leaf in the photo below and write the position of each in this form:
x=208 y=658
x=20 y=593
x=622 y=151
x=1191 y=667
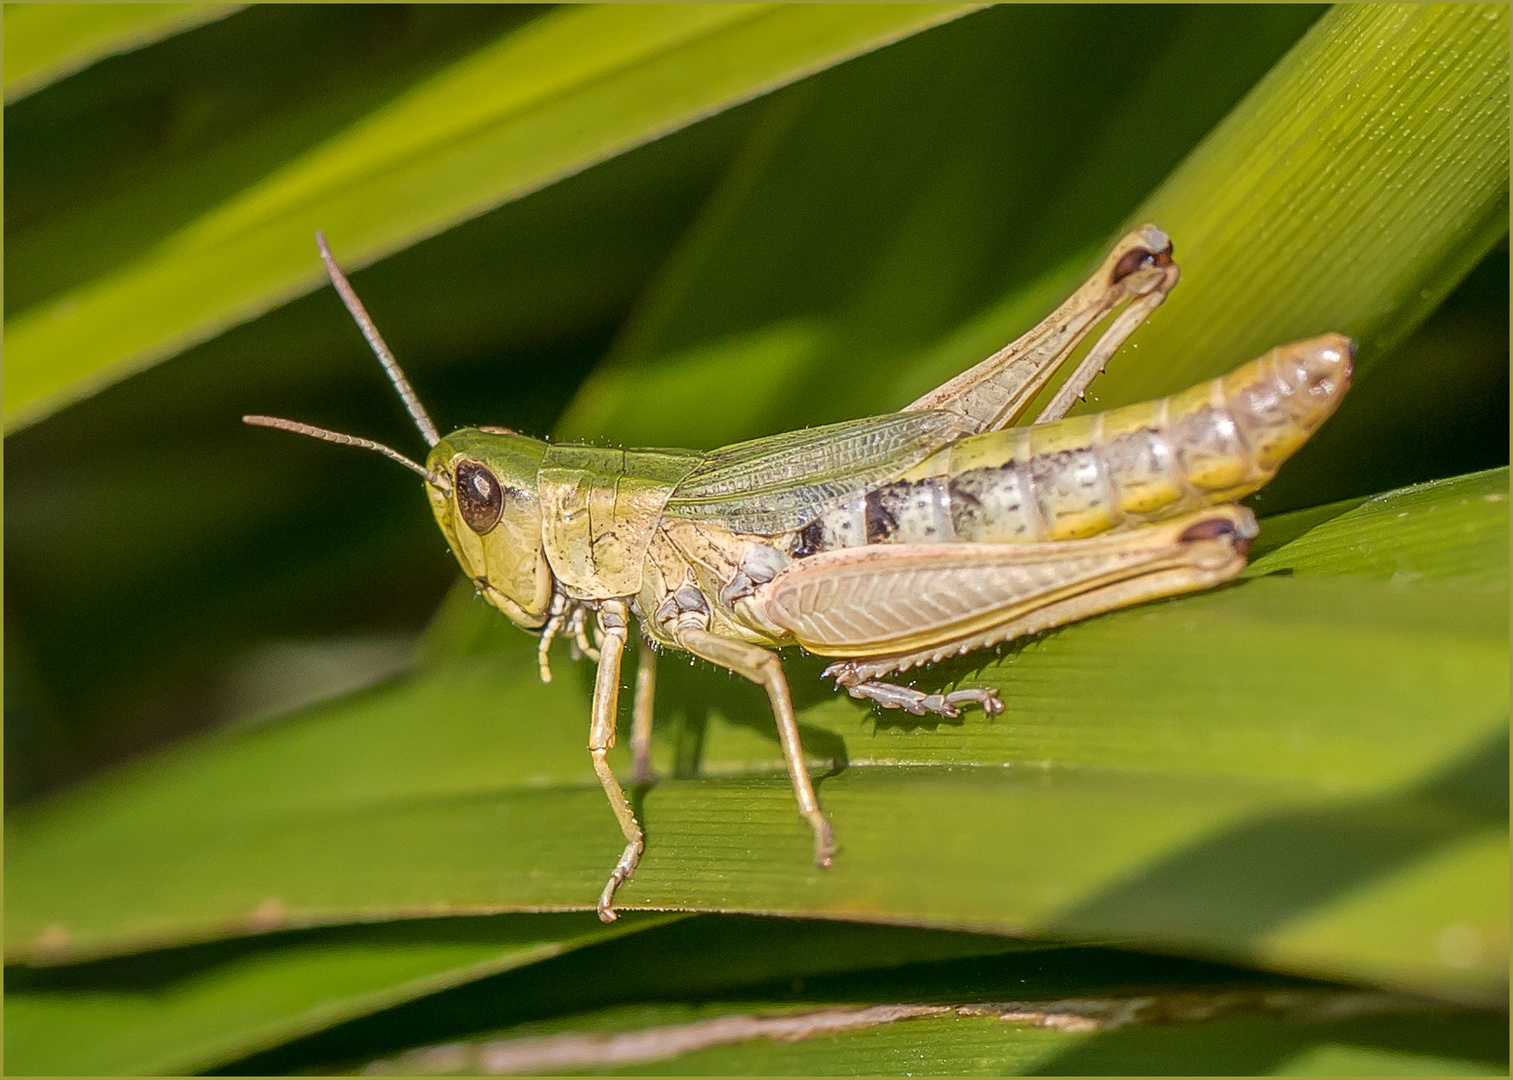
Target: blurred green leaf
x=1139 y=786
x=850 y=241
x=702 y=970
x=45 y=42
x=565 y=91
x=183 y=1013
x=1374 y=155
x=108 y=164
x=1291 y=1034
x=1351 y=190
x=202 y=1006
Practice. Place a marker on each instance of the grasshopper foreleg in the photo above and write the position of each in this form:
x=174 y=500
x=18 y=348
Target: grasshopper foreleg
x=893 y=696
x=613 y=619
x=577 y=626
x=556 y=616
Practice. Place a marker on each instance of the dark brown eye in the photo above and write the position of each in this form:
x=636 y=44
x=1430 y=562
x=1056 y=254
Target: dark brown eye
x=1138 y=259
x=479 y=496
x=1132 y=261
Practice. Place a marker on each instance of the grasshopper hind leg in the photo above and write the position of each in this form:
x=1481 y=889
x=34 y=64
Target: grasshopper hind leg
x=893 y=696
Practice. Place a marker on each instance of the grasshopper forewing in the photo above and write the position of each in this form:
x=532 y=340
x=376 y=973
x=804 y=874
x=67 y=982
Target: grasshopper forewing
x=886 y=542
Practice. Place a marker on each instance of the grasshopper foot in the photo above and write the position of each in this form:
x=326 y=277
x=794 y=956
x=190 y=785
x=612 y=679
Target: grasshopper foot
x=824 y=838
x=621 y=873
x=891 y=696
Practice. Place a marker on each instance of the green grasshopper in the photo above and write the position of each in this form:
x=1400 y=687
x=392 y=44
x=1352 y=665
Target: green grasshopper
x=886 y=542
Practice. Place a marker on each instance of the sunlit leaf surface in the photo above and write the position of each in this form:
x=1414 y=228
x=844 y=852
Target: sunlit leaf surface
x=45 y=42
x=568 y=89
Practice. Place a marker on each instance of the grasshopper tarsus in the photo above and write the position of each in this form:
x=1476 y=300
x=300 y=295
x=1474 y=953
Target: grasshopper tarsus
x=892 y=696
x=621 y=874
x=825 y=848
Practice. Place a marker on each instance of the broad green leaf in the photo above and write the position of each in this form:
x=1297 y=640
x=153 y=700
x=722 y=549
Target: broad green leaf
x=850 y=241
x=46 y=42
x=1222 y=774
x=104 y=166
x=1351 y=189
x=190 y=1012
x=548 y=100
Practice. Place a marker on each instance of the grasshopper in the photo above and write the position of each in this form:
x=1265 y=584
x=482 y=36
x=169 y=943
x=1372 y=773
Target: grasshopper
x=886 y=542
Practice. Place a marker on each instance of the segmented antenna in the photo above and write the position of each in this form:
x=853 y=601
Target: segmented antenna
x=376 y=343
x=336 y=437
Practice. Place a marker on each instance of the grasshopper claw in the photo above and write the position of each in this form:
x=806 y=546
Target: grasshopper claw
x=824 y=839
x=987 y=698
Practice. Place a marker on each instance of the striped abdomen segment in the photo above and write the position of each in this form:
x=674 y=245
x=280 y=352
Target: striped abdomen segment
x=1213 y=443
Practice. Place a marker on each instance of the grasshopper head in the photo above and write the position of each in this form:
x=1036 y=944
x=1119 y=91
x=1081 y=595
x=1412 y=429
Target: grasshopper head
x=481 y=483
x=482 y=487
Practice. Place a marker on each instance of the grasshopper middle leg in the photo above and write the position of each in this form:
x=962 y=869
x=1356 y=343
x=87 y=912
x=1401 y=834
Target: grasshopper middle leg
x=612 y=635
x=766 y=669
x=641 y=713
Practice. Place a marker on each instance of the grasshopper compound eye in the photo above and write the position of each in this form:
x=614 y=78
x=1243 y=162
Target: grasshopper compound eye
x=1139 y=259
x=480 y=496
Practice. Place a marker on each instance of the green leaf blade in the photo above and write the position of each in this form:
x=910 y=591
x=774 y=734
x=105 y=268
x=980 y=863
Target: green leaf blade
x=251 y=999
x=1140 y=786
x=47 y=42
x=522 y=118
x=1350 y=191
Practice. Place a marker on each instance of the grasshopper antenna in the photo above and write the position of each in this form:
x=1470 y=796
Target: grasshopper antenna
x=337 y=437
x=385 y=357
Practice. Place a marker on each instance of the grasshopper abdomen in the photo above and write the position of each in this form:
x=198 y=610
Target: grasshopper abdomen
x=1213 y=443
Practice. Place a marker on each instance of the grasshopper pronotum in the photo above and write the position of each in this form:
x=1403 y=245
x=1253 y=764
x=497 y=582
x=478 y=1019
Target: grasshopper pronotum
x=885 y=542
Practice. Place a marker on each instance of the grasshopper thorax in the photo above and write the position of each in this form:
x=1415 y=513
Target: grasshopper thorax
x=482 y=488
